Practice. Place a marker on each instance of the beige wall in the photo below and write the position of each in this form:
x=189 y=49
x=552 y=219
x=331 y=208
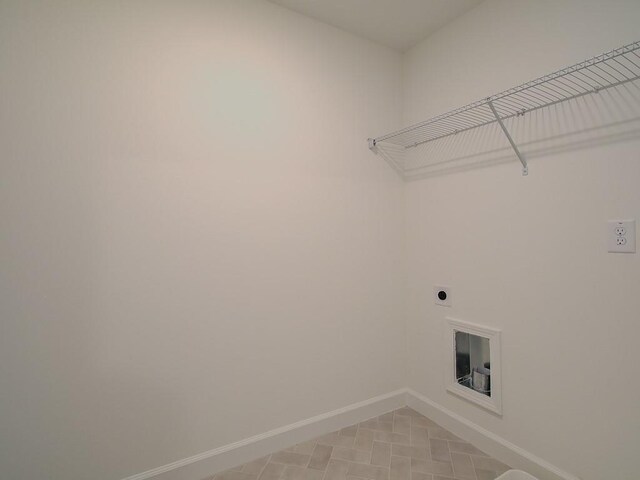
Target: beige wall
x=196 y=245
x=528 y=254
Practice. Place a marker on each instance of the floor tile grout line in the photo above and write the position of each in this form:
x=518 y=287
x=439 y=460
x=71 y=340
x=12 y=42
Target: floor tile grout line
x=448 y=449
x=473 y=468
x=324 y=474
x=265 y=466
x=311 y=456
x=481 y=454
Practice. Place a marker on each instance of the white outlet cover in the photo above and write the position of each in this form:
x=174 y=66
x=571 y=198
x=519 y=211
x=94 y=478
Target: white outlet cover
x=442 y=302
x=621 y=236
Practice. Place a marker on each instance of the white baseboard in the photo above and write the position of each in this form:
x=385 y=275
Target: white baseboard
x=205 y=464
x=487 y=441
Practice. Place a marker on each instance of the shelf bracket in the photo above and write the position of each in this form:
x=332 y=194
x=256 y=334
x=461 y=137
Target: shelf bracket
x=525 y=168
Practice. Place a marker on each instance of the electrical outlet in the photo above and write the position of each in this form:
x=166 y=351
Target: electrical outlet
x=621 y=236
x=442 y=296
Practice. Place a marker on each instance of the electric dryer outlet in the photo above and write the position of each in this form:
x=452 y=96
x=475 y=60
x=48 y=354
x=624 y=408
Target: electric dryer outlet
x=442 y=296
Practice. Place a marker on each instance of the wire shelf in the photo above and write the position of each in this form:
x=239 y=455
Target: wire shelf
x=592 y=76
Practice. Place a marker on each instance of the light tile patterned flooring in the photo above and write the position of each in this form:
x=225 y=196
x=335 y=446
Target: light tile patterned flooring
x=399 y=445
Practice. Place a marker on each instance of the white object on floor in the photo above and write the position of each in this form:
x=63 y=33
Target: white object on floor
x=516 y=475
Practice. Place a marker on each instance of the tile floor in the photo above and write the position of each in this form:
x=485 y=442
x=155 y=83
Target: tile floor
x=399 y=445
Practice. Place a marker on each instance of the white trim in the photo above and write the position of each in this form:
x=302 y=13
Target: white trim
x=221 y=458
x=492 y=403
x=496 y=446
x=206 y=464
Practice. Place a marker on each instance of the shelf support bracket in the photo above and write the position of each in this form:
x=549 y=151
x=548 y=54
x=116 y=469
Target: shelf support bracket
x=525 y=168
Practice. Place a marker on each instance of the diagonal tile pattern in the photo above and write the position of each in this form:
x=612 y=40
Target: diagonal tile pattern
x=399 y=445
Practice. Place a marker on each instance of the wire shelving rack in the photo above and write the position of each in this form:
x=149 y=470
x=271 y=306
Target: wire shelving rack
x=608 y=70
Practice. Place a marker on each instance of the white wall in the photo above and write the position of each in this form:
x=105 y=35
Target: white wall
x=528 y=254
x=196 y=246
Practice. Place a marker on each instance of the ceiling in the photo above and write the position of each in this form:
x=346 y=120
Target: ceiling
x=399 y=24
